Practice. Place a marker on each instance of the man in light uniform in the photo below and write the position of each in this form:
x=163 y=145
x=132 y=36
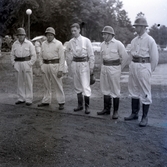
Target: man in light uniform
x=23 y=56
x=52 y=65
x=144 y=61
x=80 y=57
x=114 y=58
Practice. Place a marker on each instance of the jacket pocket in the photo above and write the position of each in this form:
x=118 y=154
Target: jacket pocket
x=16 y=67
x=27 y=67
x=113 y=51
x=144 y=51
x=26 y=51
x=84 y=67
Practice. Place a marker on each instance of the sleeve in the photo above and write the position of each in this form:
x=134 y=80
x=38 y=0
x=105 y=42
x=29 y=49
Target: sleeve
x=68 y=54
x=123 y=55
x=32 y=54
x=101 y=54
x=61 y=57
x=90 y=54
x=154 y=56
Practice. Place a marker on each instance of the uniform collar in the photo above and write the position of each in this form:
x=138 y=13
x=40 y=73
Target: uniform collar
x=78 y=38
x=142 y=36
x=25 y=41
x=53 y=41
x=112 y=40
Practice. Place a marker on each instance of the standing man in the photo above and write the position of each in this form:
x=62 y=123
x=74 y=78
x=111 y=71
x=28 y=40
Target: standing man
x=114 y=59
x=81 y=58
x=52 y=64
x=144 y=60
x=23 y=56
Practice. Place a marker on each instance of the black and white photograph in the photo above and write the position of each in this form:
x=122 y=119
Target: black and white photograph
x=83 y=83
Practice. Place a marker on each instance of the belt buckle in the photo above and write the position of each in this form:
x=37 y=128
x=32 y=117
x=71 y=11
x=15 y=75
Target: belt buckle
x=49 y=61
x=143 y=60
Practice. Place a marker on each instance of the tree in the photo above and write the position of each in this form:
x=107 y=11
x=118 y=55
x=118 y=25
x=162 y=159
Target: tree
x=159 y=34
x=154 y=32
x=60 y=14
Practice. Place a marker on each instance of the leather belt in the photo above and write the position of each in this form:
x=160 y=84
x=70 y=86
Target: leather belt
x=112 y=62
x=141 y=59
x=80 y=59
x=22 y=58
x=53 y=61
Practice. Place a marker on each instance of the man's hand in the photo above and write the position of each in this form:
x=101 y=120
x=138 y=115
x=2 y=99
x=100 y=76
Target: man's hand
x=59 y=74
x=91 y=71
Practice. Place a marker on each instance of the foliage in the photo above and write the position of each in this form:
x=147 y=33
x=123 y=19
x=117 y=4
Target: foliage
x=159 y=34
x=93 y=15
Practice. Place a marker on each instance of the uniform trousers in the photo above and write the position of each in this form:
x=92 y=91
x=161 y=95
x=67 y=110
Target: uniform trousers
x=110 y=80
x=139 y=81
x=50 y=76
x=24 y=81
x=81 y=76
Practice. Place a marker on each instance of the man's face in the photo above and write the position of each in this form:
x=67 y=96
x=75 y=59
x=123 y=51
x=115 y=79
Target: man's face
x=49 y=37
x=75 y=32
x=139 y=29
x=21 y=37
x=106 y=36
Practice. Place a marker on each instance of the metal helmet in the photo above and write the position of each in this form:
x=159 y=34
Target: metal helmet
x=50 y=30
x=140 y=21
x=108 y=29
x=21 y=31
x=92 y=79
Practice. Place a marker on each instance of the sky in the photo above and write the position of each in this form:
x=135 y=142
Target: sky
x=155 y=10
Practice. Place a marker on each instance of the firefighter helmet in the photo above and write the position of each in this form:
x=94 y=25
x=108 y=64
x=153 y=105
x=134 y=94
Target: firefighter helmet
x=108 y=29
x=50 y=30
x=21 y=31
x=140 y=21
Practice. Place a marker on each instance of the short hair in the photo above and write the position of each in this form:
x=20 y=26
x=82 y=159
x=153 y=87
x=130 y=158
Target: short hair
x=75 y=25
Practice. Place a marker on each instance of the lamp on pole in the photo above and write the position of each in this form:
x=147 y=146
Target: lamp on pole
x=28 y=12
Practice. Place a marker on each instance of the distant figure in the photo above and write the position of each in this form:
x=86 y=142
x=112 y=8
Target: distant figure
x=7 y=43
x=38 y=44
x=23 y=56
x=52 y=64
x=114 y=58
x=80 y=57
x=145 y=57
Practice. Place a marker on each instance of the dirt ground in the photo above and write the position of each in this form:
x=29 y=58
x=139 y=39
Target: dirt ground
x=47 y=137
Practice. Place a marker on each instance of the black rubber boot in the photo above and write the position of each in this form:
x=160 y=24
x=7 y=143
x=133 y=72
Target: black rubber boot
x=107 y=106
x=86 y=98
x=135 y=110
x=61 y=106
x=116 y=106
x=80 y=102
x=144 y=119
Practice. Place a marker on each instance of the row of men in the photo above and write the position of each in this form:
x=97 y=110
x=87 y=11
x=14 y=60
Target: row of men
x=142 y=60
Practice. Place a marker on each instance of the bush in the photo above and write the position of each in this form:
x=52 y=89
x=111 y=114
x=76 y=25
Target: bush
x=162 y=57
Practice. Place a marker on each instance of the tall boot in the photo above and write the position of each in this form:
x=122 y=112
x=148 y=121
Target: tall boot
x=86 y=98
x=144 y=119
x=80 y=102
x=135 y=110
x=107 y=106
x=116 y=106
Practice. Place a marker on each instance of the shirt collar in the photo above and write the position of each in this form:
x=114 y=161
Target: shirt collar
x=112 y=40
x=142 y=36
x=53 y=41
x=25 y=41
x=78 y=38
